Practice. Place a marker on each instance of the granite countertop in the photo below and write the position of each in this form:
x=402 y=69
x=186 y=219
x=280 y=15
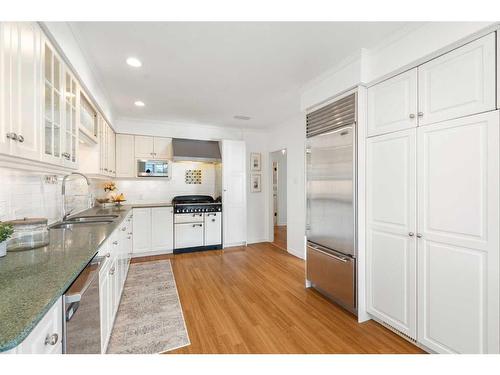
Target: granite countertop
x=31 y=281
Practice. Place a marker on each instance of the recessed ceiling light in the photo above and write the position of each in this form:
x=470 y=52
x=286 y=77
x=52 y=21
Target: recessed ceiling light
x=240 y=117
x=135 y=62
x=138 y=103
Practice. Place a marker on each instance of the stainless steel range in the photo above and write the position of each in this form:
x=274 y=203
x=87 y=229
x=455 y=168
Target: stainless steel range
x=197 y=223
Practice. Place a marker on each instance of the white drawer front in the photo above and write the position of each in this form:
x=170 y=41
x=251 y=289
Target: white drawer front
x=188 y=218
x=189 y=235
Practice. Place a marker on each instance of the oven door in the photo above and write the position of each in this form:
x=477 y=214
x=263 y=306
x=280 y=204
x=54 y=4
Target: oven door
x=188 y=235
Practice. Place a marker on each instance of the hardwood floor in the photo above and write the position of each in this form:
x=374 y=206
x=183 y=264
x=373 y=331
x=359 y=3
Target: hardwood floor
x=253 y=300
x=280 y=236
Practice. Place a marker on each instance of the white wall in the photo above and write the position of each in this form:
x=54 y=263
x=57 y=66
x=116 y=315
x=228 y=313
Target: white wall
x=176 y=130
x=280 y=158
x=63 y=36
x=257 y=203
x=291 y=135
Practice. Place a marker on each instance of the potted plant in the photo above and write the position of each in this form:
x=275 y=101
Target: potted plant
x=6 y=231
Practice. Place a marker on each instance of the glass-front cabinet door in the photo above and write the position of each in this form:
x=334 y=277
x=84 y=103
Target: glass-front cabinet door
x=71 y=113
x=88 y=118
x=52 y=114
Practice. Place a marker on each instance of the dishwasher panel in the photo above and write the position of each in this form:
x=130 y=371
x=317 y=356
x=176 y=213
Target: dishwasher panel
x=82 y=323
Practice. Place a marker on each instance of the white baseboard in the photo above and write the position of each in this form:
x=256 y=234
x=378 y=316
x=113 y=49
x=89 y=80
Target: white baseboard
x=149 y=253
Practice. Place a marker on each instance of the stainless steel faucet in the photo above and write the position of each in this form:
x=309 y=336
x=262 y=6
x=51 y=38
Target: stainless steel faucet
x=65 y=212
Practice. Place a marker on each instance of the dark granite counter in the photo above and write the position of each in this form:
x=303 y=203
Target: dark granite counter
x=32 y=281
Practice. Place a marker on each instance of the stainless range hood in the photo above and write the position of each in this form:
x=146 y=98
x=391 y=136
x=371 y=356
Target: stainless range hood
x=195 y=150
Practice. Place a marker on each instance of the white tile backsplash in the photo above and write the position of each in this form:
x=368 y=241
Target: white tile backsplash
x=155 y=190
x=28 y=194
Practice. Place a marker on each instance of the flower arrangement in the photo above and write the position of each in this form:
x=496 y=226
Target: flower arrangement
x=6 y=231
x=109 y=186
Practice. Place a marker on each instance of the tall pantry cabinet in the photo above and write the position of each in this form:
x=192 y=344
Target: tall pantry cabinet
x=432 y=193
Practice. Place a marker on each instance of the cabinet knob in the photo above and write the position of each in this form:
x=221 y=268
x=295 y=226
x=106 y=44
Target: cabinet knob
x=112 y=271
x=129 y=238
x=108 y=255
x=124 y=229
x=20 y=138
x=420 y=114
x=52 y=339
x=411 y=234
x=115 y=242
x=412 y=115
x=419 y=235
x=130 y=233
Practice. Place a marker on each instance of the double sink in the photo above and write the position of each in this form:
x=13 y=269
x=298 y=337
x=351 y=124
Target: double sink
x=84 y=221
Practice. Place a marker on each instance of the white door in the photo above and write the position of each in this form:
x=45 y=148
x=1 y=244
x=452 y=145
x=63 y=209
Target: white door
x=162 y=227
x=213 y=228
x=26 y=89
x=142 y=230
x=459 y=83
x=458 y=263
x=125 y=160
x=162 y=148
x=234 y=192
x=392 y=104
x=391 y=219
x=189 y=235
x=144 y=147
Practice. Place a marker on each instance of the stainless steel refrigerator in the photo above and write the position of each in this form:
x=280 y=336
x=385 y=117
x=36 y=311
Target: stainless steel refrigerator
x=331 y=201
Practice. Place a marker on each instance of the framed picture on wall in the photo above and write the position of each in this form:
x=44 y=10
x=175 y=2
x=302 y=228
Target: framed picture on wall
x=255 y=182
x=255 y=161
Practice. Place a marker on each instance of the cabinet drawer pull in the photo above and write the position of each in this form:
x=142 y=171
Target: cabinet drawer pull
x=420 y=114
x=129 y=238
x=115 y=242
x=130 y=233
x=12 y=136
x=124 y=229
x=20 y=138
x=52 y=339
x=419 y=235
x=197 y=225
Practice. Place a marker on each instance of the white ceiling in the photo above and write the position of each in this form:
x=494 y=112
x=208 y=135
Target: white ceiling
x=208 y=72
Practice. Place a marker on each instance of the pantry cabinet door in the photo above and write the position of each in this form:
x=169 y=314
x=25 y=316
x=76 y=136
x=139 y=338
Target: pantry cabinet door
x=391 y=240
x=458 y=220
x=459 y=83
x=125 y=160
x=144 y=147
x=162 y=148
x=162 y=227
x=234 y=193
x=142 y=230
x=392 y=104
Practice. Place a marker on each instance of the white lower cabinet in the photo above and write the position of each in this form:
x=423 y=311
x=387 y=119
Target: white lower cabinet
x=436 y=279
x=46 y=337
x=117 y=251
x=213 y=228
x=153 y=230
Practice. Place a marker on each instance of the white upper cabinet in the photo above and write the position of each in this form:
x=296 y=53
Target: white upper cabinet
x=153 y=147
x=144 y=147
x=162 y=148
x=125 y=160
x=89 y=125
x=459 y=83
x=20 y=74
x=391 y=226
x=392 y=104
x=234 y=192
x=71 y=120
x=458 y=221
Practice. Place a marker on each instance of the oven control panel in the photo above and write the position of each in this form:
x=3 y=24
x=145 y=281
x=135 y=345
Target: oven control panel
x=195 y=208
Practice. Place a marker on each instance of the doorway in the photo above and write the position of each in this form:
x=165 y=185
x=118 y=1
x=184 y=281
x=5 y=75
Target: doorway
x=278 y=164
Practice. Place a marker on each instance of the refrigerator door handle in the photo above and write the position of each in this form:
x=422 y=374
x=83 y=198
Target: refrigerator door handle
x=327 y=253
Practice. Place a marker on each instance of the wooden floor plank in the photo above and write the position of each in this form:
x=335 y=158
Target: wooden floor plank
x=253 y=300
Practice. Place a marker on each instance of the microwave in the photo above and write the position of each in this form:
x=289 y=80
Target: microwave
x=153 y=168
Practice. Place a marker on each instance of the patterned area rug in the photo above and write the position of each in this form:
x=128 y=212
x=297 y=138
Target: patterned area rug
x=149 y=318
